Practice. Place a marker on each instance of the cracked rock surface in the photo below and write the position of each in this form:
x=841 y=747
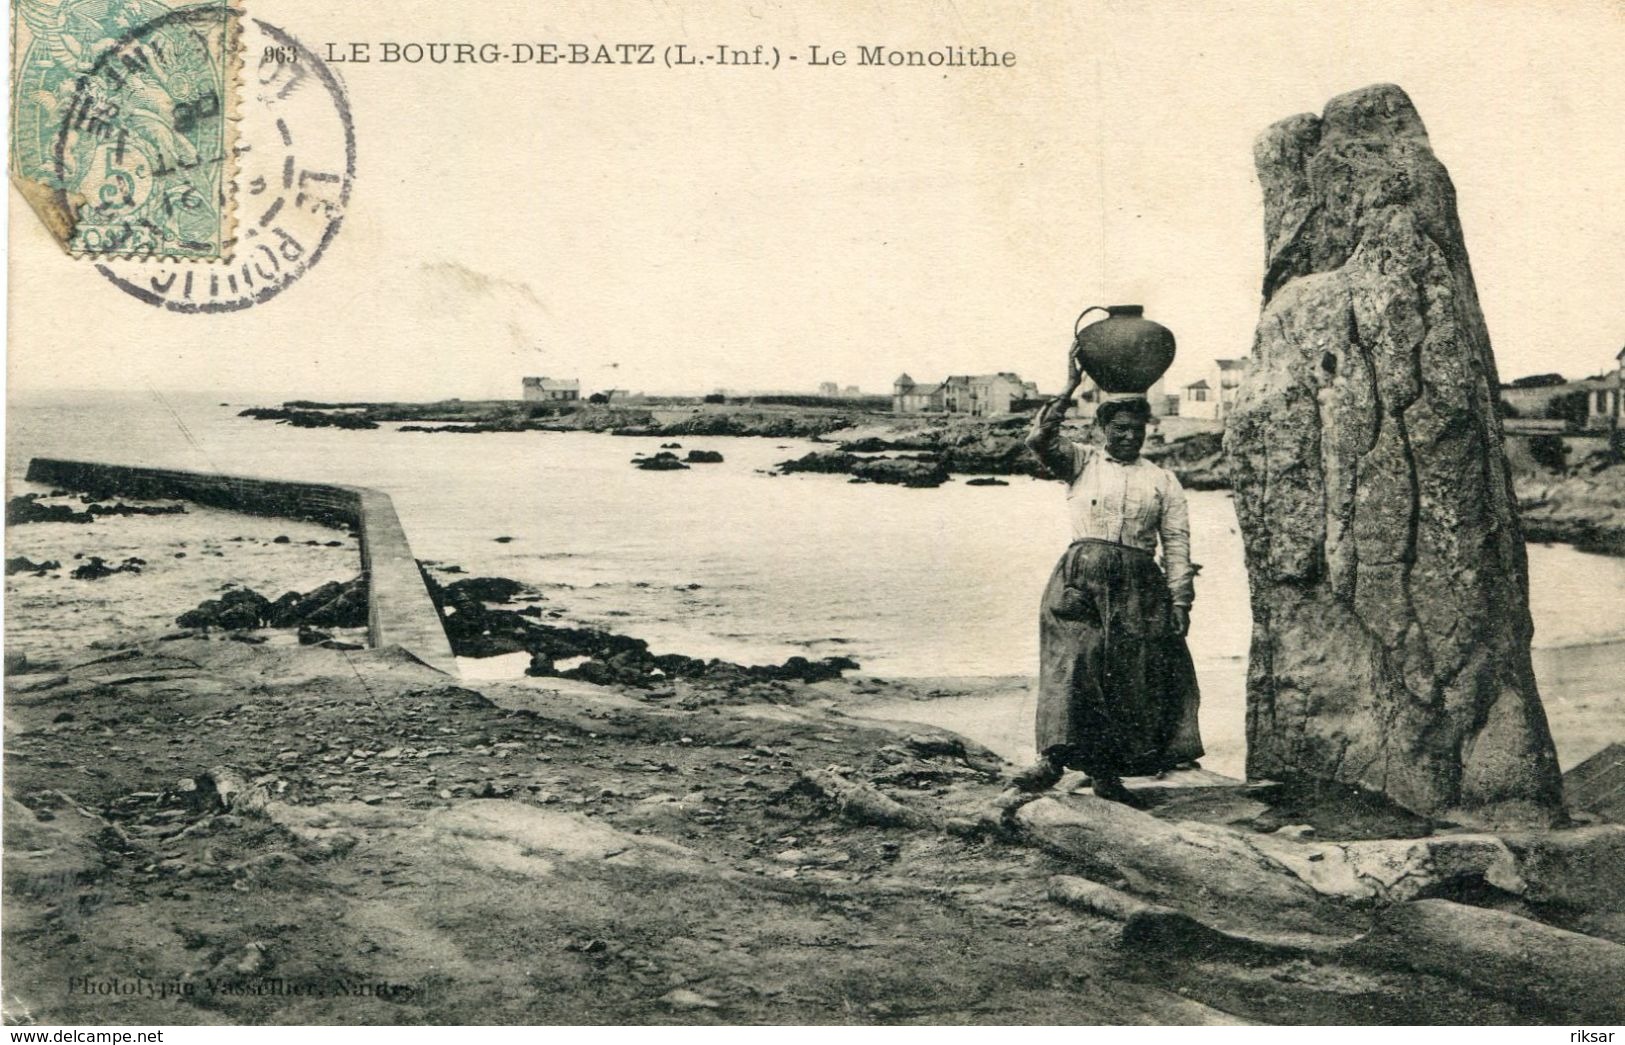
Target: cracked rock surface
x=1388 y=577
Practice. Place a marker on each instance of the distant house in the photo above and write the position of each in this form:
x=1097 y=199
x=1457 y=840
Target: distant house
x=910 y=397
x=1199 y=401
x=978 y=395
x=1605 y=404
x=1213 y=397
x=852 y=391
x=551 y=390
x=1231 y=373
x=829 y=389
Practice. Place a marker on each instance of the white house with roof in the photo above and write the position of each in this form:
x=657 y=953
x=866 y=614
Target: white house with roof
x=1605 y=399
x=1199 y=400
x=1213 y=397
x=550 y=390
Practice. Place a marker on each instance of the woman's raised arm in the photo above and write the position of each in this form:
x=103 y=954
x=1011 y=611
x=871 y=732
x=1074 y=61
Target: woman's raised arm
x=1059 y=455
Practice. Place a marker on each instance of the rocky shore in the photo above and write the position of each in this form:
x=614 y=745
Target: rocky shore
x=306 y=835
x=1583 y=506
x=223 y=825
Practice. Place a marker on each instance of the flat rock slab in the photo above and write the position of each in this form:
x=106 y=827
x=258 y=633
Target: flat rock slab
x=1597 y=785
x=1247 y=879
x=500 y=836
x=1567 y=977
x=1200 y=867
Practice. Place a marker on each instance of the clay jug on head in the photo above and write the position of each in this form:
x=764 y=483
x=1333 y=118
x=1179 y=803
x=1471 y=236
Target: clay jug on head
x=1125 y=352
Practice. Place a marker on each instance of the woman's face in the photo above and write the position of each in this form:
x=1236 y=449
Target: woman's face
x=1125 y=434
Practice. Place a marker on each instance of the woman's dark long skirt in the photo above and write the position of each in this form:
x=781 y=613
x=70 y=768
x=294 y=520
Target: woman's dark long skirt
x=1117 y=690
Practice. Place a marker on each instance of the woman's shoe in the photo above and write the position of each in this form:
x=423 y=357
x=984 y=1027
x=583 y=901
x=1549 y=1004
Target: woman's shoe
x=1112 y=790
x=1040 y=776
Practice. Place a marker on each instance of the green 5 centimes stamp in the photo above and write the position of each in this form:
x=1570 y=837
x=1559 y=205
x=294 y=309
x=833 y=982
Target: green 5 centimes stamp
x=122 y=124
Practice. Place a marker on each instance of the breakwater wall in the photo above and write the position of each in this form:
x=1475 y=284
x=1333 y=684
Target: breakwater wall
x=399 y=610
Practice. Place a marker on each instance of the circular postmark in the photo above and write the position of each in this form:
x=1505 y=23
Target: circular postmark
x=282 y=184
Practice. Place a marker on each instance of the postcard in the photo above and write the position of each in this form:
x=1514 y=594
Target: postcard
x=796 y=514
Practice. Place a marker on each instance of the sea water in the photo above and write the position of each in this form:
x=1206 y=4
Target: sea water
x=727 y=560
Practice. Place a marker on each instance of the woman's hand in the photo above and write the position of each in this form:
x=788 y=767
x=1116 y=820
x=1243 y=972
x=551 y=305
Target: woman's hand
x=1074 y=369
x=1182 y=620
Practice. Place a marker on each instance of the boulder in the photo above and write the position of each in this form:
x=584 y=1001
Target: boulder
x=485 y=589
x=664 y=461
x=23 y=564
x=95 y=568
x=901 y=471
x=830 y=461
x=1389 y=586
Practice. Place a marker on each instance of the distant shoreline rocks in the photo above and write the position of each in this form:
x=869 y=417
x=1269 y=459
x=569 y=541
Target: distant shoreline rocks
x=309 y=418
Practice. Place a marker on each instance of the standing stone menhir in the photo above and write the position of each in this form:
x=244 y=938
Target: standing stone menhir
x=1390 y=590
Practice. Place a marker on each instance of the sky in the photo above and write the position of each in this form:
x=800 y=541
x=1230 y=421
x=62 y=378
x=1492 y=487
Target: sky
x=680 y=230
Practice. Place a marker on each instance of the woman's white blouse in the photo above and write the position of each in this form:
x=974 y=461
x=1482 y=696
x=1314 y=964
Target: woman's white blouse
x=1137 y=504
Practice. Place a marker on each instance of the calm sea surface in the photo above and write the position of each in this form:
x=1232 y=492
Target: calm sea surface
x=908 y=582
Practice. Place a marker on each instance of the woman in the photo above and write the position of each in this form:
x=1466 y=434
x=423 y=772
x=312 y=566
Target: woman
x=1117 y=691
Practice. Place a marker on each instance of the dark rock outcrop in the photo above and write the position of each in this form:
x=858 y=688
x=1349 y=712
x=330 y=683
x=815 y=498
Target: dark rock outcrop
x=832 y=462
x=23 y=564
x=478 y=630
x=664 y=461
x=332 y=605
x=309 y=418
x=902 y=471
x=1584 y=507
x=1389 y=584
x=31 y=508
x=95 y=568
x=919 y=471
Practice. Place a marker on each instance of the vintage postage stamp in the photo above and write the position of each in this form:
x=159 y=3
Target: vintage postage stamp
x=294 y=154
x=122 y=124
